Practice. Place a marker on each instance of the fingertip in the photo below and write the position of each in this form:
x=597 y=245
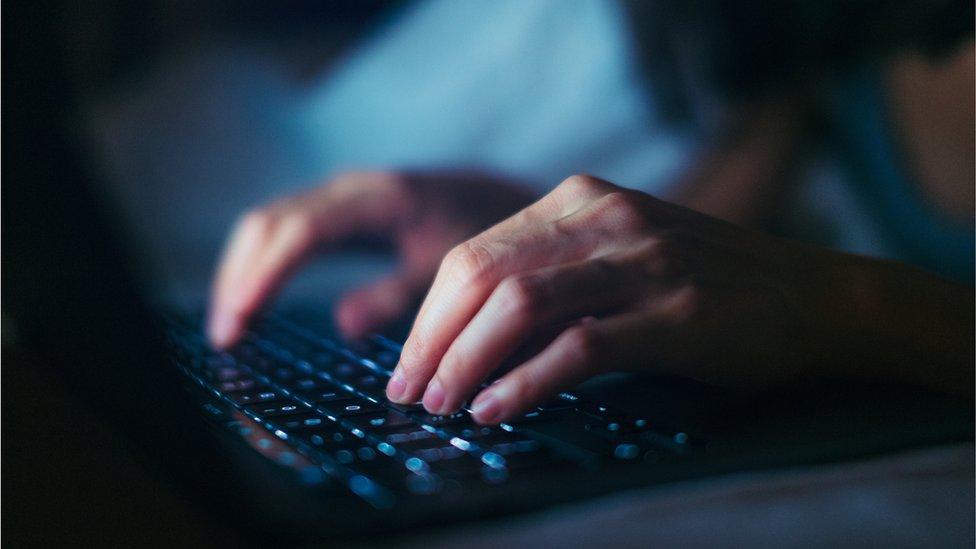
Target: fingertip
x=434 y=397
x=223 y=329
x=396 y=387
x=486 y=408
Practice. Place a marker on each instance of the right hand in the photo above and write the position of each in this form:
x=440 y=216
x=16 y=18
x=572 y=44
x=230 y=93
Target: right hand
x=422 y=214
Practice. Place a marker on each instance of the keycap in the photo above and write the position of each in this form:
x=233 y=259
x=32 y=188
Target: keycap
x=305 y=384
x=420 y=442
x=455 y=419
x=351 y=407
x=381 y=421
x=329 y=438
x=252 y=397
x=438 y=453
x=236 y=385
x=408 y=434
x=326 y=395
x=301 y=422
x=479 y=431
x=513 y=447
x=382 y=469
x=349 y=371
x=276 y=408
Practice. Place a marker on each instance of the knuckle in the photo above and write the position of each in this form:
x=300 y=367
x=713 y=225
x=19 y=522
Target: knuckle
x=624 y=210
x=659 y=248
x=345 y=180
x=688 y=302
x=581 y=185
x=522 y=295
x=525 y=384
x=411 y=359
x=583 y=342
x=663 y=256
x=299 y=224
x=258 y=221
x=469 y=262
x=452 y=367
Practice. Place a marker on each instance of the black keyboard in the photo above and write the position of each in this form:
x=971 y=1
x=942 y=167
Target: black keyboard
x=318 y=406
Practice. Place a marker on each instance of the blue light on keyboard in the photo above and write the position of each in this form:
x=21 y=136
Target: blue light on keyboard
x=460 y=444
x=311 y=475
x=495 y=475
x=493 y=460
x=300 y=381
x=415 y=464
x=626 y=451
x=363 y=486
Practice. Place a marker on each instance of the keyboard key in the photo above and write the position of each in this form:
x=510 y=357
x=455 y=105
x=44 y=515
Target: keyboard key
x=382 y=469
x=351 y=407
x=454 y=419
x=326 y=395
x=306 y=384
x=514 y=447
x=380 y=421
x=301 y=422
x=531 y=460
x=227 y=373
x=329 y=438
x=253 y=397
x=369 y=382
x=420 y=443
x=438 y=453
x=277 y=408
x=459 y=466
x=236 y=385
x=478 y=432
x=349 y=371
x=408 y=434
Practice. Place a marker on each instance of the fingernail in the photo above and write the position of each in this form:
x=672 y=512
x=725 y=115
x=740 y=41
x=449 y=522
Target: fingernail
x=396 y=387
x=220 y=328
x=486 y=408
x=434 y=396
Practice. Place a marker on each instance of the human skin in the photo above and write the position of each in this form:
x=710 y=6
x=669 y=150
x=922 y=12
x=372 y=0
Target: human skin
x=643 y=284
x=420 y=214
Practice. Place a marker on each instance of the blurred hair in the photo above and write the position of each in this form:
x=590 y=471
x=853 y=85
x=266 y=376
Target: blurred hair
x=726 y=50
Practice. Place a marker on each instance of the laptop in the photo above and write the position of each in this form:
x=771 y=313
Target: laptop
x=289 y=436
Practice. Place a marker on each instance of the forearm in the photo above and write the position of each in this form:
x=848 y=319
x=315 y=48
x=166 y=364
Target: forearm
x=893 y=321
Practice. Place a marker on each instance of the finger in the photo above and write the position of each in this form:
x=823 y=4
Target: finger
x=368 y=308
x=549 y=232
x=581 y=352
x=520 y=307
x=268 y=244
x=466 y=277
x=260 y=257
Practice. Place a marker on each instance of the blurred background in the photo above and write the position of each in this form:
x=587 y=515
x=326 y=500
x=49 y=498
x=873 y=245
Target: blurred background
x=807 y=119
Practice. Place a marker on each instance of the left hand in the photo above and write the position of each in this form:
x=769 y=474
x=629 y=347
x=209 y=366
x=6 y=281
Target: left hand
x=640 y=283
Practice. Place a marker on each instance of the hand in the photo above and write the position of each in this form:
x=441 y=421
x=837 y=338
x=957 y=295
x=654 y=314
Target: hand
x=421 y=214
x=641 y=284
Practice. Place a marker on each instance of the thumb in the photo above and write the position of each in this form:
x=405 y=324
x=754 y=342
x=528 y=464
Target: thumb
x=370 y=307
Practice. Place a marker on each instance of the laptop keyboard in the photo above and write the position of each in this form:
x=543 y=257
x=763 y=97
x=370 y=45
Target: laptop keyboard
x=325 y=402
